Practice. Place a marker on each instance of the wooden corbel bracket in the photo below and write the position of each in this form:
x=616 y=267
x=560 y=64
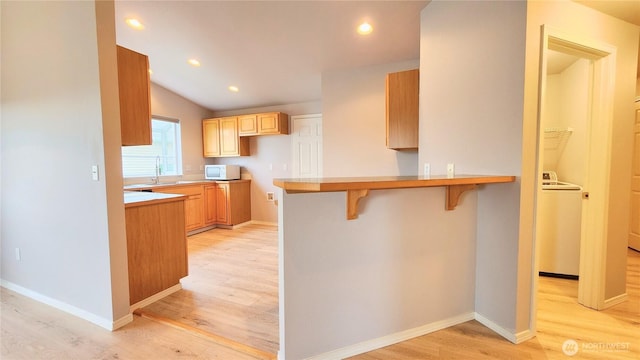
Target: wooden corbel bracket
x=353 y=198
x=453 y=194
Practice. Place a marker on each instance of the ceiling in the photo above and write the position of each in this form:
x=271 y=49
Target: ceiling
x=276 y=51
x=273 y=51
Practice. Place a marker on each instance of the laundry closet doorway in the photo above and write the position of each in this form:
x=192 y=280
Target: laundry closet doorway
x=579 y=148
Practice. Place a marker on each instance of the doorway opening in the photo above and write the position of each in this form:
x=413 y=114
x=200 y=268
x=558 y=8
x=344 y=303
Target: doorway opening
x=574 y=140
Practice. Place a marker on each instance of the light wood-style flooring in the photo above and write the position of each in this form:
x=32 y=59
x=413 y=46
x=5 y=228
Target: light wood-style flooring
x=232 y=287
x=560 y=318
x=232 y=292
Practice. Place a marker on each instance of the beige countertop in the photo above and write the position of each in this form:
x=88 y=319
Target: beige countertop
x=140 y=198
x=149 y=186
x=384 y=182
x=359 y=187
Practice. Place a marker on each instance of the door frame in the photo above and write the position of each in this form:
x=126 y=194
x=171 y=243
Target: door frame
x=593 y=243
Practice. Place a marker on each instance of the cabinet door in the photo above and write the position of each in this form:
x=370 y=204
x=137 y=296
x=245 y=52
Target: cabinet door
x=211 y=137
x=402 y=109
x=193 y=212
x=134 y=88
x=273 y=123
x=229 y=136
x=248 y=125
x=222 y=215
x=210 y=202
x=239 y=202
x=193 y=204
x=156 y=248
x=634 y=234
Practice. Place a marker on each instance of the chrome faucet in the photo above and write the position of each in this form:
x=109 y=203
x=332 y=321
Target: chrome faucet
x=157 y=179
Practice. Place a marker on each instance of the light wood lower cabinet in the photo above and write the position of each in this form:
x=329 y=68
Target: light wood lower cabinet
x=221 y=203
x=210 y=211
x=156 y=248
x=234 y=201
x=193 y=205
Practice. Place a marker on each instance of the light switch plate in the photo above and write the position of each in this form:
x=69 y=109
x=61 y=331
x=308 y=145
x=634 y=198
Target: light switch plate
x=94 y=173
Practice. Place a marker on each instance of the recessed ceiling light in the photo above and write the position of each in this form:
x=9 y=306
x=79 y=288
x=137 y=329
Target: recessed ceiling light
x=233 y=88
x=134 y=23
x=365 y=28
x=194 y=62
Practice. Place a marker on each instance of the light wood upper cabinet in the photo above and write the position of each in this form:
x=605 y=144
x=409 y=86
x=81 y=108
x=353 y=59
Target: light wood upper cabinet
x=211 y=137
x=135 y=99
x=275 y=123
x=402 y=90
x=248 y=125
x=220 y=138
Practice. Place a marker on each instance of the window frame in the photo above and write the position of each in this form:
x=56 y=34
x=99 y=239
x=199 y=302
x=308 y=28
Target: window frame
x=176 y=155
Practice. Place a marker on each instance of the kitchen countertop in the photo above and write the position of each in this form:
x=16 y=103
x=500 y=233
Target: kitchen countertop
x=147 y=186
x=358 y=187
x=139 y=198
x=384 y=182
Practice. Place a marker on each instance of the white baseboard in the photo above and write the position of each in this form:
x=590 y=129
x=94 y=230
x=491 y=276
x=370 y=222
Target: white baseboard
x=614 y=301
x=153 y=298
x=83 y=314
x=381 y=342
x=505 y=333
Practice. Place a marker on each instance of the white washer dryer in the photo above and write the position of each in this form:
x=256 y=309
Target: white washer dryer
x=560 y=232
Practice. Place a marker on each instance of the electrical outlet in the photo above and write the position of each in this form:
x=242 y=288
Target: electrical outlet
x=270 y=196
x=427 y=170
x=451 y=172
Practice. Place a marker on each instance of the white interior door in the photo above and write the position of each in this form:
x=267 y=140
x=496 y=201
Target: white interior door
x=306 y=146
x=634 y=229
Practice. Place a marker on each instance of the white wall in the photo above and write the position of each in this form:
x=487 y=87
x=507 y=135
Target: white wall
x=624 y=37
x=169 y=104
x=570 y=95
x=404 y=265
x=270 y=158
x=353 y=124
x=55 y=124
x=471 y=75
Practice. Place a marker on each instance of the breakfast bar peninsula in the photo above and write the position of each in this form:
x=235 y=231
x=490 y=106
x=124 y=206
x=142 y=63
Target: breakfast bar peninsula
x=369 y=261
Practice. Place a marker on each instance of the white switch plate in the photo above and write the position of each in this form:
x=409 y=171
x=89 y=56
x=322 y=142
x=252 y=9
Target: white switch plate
x=451 y=172
x=18 y=257
x=94 y=172
x=427 y=170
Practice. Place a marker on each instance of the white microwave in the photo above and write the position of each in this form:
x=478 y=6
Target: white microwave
x=221 y=172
